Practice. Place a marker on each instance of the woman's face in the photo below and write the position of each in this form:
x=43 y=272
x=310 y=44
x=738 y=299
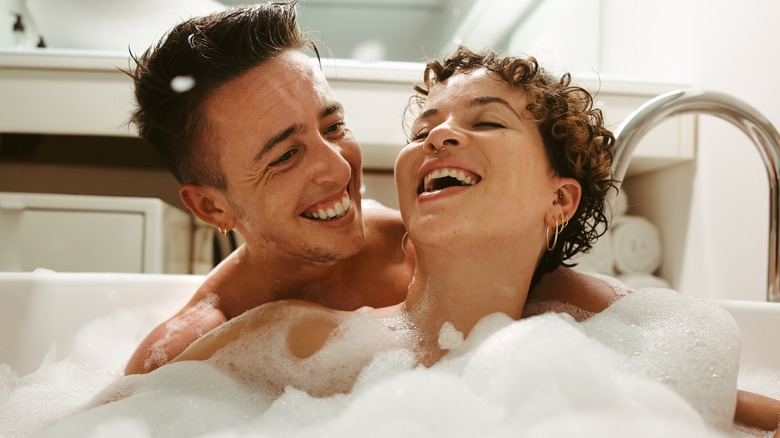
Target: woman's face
x=490 y=180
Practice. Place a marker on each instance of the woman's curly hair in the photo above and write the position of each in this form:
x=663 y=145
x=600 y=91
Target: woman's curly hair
x=576 y=142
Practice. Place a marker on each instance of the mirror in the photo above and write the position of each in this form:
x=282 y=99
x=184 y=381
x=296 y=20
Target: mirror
x=562 y=34
x=415 y=30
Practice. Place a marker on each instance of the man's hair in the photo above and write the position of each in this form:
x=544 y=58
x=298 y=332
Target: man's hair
x=174 y=77
x=576 y=142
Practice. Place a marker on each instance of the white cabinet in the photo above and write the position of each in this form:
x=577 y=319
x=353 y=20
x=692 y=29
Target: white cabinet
x=70 y=233
x=50 y=91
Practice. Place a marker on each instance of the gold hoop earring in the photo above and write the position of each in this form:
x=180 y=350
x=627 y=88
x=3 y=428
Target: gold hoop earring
x=223 y=231
x=403 y=243
x=564 y=221
x=555 y=236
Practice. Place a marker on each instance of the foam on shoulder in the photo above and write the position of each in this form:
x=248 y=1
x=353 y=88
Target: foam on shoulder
x=689 y=344
x=265 y=359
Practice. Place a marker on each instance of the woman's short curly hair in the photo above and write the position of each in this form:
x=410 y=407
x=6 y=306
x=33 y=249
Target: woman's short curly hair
x=576 y=142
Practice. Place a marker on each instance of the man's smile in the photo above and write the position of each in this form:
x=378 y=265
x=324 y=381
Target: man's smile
x=328 y=211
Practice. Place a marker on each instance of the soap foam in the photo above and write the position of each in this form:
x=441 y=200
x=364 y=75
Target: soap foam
x=542 y=376
x=262 y=357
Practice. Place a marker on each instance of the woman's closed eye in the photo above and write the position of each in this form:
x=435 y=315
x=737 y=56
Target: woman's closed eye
x=419 y=136
x=489 y=125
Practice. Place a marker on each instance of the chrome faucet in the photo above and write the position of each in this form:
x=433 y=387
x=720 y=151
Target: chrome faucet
x=731 y=109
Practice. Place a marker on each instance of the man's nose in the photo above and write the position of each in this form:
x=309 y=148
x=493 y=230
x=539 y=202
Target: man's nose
x=330 y=165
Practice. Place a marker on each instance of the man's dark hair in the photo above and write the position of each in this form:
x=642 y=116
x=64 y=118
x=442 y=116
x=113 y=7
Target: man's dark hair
x=174 y=77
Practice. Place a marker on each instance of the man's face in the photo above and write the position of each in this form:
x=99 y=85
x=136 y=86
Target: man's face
x=292 y=166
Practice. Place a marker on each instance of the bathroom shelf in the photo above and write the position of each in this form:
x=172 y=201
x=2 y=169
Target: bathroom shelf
x=80 y=92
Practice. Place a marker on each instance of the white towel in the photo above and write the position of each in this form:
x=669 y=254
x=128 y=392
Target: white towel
x=641 y=281
x=600 y=259
x=619 y=204
x=636 y=243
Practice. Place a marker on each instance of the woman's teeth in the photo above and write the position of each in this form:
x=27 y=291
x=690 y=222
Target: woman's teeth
x=447 y=177
x=337 y=210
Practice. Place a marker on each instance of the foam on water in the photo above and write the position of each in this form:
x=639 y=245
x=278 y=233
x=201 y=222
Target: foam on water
x=654 y=364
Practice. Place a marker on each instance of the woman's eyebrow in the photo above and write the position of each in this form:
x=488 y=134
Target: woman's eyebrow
x=427 y=113
x=487 y=100
x=475 y=102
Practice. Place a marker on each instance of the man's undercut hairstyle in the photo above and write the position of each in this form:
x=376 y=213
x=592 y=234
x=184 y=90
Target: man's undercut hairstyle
x=174 y=78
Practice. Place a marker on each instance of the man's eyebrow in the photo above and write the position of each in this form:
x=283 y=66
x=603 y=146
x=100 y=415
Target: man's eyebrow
x=486 y=100
x=331 y=108
x=278 y=138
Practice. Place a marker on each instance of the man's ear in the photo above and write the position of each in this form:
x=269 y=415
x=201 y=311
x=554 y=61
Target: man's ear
x=208 y=204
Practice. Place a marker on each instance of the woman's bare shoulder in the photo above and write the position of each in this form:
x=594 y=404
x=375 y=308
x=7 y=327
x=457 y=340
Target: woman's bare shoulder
x=301 y=325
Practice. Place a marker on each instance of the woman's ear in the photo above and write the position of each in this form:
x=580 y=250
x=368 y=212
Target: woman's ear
x=569 y=195
x=208 y=204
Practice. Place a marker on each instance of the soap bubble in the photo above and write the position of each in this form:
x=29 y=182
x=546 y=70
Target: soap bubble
x=182 y=84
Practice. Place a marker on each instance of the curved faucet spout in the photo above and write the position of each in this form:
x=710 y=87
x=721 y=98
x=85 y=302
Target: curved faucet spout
x=745 y=117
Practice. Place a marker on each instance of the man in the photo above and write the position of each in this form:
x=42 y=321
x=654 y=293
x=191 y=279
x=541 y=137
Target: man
x=260 y=146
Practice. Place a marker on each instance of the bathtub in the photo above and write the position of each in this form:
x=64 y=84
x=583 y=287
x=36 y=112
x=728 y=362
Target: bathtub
x=42 y=309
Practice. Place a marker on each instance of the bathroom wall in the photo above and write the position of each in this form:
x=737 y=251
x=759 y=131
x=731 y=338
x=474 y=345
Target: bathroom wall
x=714 y=212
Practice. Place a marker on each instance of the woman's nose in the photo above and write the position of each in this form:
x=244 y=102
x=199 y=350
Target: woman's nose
x=443 y=136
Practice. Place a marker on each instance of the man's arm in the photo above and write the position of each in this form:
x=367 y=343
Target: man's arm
x=756 y=410
x=173 y=336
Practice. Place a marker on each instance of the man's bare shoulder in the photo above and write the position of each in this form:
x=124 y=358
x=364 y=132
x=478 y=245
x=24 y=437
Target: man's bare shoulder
x=588 y=292
x=377 y=215
x=384 y=233
x=237 y=284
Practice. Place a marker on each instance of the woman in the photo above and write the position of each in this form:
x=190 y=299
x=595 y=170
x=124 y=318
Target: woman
x=504 y=178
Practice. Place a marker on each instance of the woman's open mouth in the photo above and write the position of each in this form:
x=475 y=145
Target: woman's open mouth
x=440 y=179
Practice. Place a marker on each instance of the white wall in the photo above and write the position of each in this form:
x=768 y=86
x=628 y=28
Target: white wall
x=718 y=45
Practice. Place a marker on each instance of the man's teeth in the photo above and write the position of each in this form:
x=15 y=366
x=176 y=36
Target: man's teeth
x=337 y=210
x=465 y=180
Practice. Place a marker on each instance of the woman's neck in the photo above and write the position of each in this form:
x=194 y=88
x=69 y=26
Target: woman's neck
x=461 y=287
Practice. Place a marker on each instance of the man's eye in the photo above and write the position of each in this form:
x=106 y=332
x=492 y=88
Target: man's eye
x=336 y=127
x=284 y=157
